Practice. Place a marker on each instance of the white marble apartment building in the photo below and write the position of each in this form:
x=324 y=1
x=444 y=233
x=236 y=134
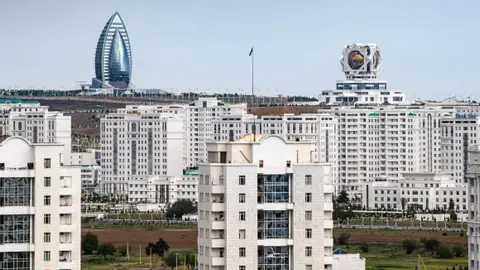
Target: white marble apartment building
x=199 y=127
x=164 y=190
x=90 y=170
x=35 y=123
x=418 y=190
x=138 y=142
x=264 y=203
x=39 y=205
x=459 y=132
x=386 y=141
x=473 y=188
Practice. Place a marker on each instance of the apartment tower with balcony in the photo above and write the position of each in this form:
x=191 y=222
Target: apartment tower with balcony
x=39 y=207
x=264 y=203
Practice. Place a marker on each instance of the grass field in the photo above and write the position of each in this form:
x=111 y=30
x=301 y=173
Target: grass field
x=392 y=257
x=385 y=245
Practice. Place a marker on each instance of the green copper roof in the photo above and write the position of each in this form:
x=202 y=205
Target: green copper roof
x=16 y=101
x=191 y=173
x=374 y=114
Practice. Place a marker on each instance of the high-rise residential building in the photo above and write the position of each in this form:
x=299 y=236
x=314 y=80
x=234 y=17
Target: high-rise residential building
x=138 y=142
x=40 y=206
x=199 y=127
x=36 y=123
x=149 y=140
x=264 y=203
x=473 y=186
x=113 y=56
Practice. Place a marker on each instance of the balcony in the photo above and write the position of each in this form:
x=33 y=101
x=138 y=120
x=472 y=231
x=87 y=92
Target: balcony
x=65 y=238
x=218 y=261
x=65 y=256
x=65 y=219
x=218 y=207
x=218 y=243
x=328 y=224
x=328 y=206
x=65 y=200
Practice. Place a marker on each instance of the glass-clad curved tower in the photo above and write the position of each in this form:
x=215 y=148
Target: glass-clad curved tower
x=113 y=57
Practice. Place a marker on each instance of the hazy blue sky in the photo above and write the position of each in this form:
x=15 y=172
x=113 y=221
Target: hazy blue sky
x=427 y=46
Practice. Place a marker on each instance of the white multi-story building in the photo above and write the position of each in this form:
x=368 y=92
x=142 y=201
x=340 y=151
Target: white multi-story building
x=473 y=186
x=40 y=207
x=145 y=141
x=138 y=142
x=199 y=128
x=88 y=162
x=163 y=191
x=417 y=190
x=264 y=203
x=36 y=123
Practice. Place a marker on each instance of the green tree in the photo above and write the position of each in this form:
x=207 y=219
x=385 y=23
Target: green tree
x=444 y=252
x=343 y=197
x=180 y=208
x=123 y=250
x=431 y=245
x=365 y=247
x=458 y=250
x=191 y=258
x=171 y=259
x=106 y=250
x=89 y=243
x=159 y=248
x=409 y=245
x=344 y=238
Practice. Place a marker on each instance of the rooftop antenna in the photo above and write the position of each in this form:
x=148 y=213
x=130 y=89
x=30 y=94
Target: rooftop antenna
x=251 y=54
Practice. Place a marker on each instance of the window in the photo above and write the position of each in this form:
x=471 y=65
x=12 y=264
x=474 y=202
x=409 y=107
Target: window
x=308 y=180
x=308 y=197
x=308 y=215
x=241 y=180
x=46 y=219
x=242 y=252
x=308 y=251
x=47 y=199
x=241 y=198
x=242 y=267
x=47 y=163
x=47 y=182
x=46 y=256
x=46 y=237
x=308 y=233
x=308 y=267
x=242 y=234
x=242 y=216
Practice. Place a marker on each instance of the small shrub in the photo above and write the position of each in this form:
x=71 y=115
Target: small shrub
x=122 y=250
x=458 y=250
x=344 y=238
x=409 y=245
x=365 y=247
x=462 y=234
x=444 y=252
x=444 y=233
x=431 y=245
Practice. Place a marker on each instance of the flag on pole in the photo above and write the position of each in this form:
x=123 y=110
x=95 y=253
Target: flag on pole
x=251 y=52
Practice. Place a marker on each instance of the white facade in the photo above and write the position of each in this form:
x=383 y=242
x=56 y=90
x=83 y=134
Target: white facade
x=39 y=207
x=199 y=128
x=145 y=141
x=473 y=178
x=264 y=195
x=138 y=142
x=90 y=170
x=164 y=190
x=36 y=123
x=348 y=262
x=418 y=190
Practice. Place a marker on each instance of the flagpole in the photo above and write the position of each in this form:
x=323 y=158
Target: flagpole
x=252 y=54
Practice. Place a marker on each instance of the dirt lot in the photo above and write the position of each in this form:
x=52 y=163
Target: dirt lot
x=137 y=237
x=188 y=238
